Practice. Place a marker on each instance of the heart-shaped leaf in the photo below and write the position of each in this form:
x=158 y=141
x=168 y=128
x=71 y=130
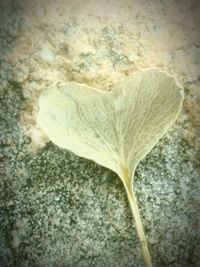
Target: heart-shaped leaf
x=115 y=129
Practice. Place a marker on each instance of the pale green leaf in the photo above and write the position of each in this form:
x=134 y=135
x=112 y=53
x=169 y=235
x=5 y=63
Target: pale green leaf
x=111 y=128
x=115 y=129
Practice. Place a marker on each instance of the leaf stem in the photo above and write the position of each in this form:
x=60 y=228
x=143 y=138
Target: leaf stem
x=127 y=181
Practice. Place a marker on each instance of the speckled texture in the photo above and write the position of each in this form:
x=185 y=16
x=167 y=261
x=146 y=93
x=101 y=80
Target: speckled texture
x=60 y=210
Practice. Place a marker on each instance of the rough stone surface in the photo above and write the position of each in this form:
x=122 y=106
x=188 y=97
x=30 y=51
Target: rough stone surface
x=60 y=210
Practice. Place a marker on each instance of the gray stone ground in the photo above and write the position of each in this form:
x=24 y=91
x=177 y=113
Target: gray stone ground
x=57 y=209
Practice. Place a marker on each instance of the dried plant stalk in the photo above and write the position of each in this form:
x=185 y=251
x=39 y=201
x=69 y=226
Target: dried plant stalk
x=127 y=181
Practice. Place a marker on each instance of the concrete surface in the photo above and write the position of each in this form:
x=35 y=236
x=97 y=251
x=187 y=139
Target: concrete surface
x=60 y=210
